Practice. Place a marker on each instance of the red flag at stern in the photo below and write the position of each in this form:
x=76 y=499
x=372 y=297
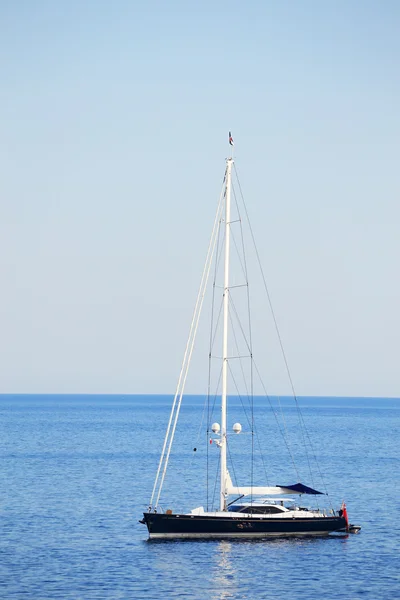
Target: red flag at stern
x=345 y=516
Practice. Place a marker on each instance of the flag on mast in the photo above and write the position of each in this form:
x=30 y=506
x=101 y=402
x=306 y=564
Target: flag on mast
x=230 y=139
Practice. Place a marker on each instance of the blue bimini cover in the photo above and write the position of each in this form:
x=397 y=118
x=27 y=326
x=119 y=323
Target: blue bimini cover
x=300 y=488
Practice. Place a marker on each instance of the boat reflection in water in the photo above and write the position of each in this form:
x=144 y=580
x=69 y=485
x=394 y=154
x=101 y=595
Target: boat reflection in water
x=224 y=580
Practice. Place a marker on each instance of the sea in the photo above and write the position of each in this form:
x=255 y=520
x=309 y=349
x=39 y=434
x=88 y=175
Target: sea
x=77 y=472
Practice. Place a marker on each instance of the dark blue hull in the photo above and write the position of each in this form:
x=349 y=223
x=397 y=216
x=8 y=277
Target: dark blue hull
x=172 y=526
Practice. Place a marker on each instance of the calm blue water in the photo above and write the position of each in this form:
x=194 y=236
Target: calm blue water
x=77 y=472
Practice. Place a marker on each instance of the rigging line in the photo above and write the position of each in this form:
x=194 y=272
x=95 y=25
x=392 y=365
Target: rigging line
x=211 y=343
x=175 y=419
x=283 y=433
x=251 y=424
x=315 y=457
x=239 y=219
x=249 y=397
x=208 y=433
x=201 y=423
x=240 y=325
x=174 y=406
x=216 y=394
x=282 y=416
x=208 y=427
x=219 y=259
x=220 y=244
x=216 y=266
x=187 y=356
x=213 y=290
x=208 y=421
x=238 y=254
x=239 y=395
x=302 y=424
x=207 y=469
x=210 y=411
x=163 y=449
x=247 y=281
x=236 y=202
x=205 y=406
x=244 y=266
x=266 y=288
x=179 y=391
x=250 y=343
x=231 y=287
x=240 y=363
x=185 y=375
x=235 y=479
x=239 y=356
x=252 y=438
x=303 y=428
x=208 y=404
x=216 y=479
x=217 y=323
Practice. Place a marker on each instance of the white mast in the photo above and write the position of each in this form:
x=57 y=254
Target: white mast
x=225 y=335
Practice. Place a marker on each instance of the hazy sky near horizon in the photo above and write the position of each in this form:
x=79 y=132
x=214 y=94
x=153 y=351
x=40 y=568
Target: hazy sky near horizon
x=114 y=121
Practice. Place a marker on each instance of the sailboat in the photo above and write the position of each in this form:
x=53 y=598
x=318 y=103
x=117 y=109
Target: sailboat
x=242 y=510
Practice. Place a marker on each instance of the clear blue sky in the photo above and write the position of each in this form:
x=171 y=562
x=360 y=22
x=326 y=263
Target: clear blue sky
x=114 y=118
